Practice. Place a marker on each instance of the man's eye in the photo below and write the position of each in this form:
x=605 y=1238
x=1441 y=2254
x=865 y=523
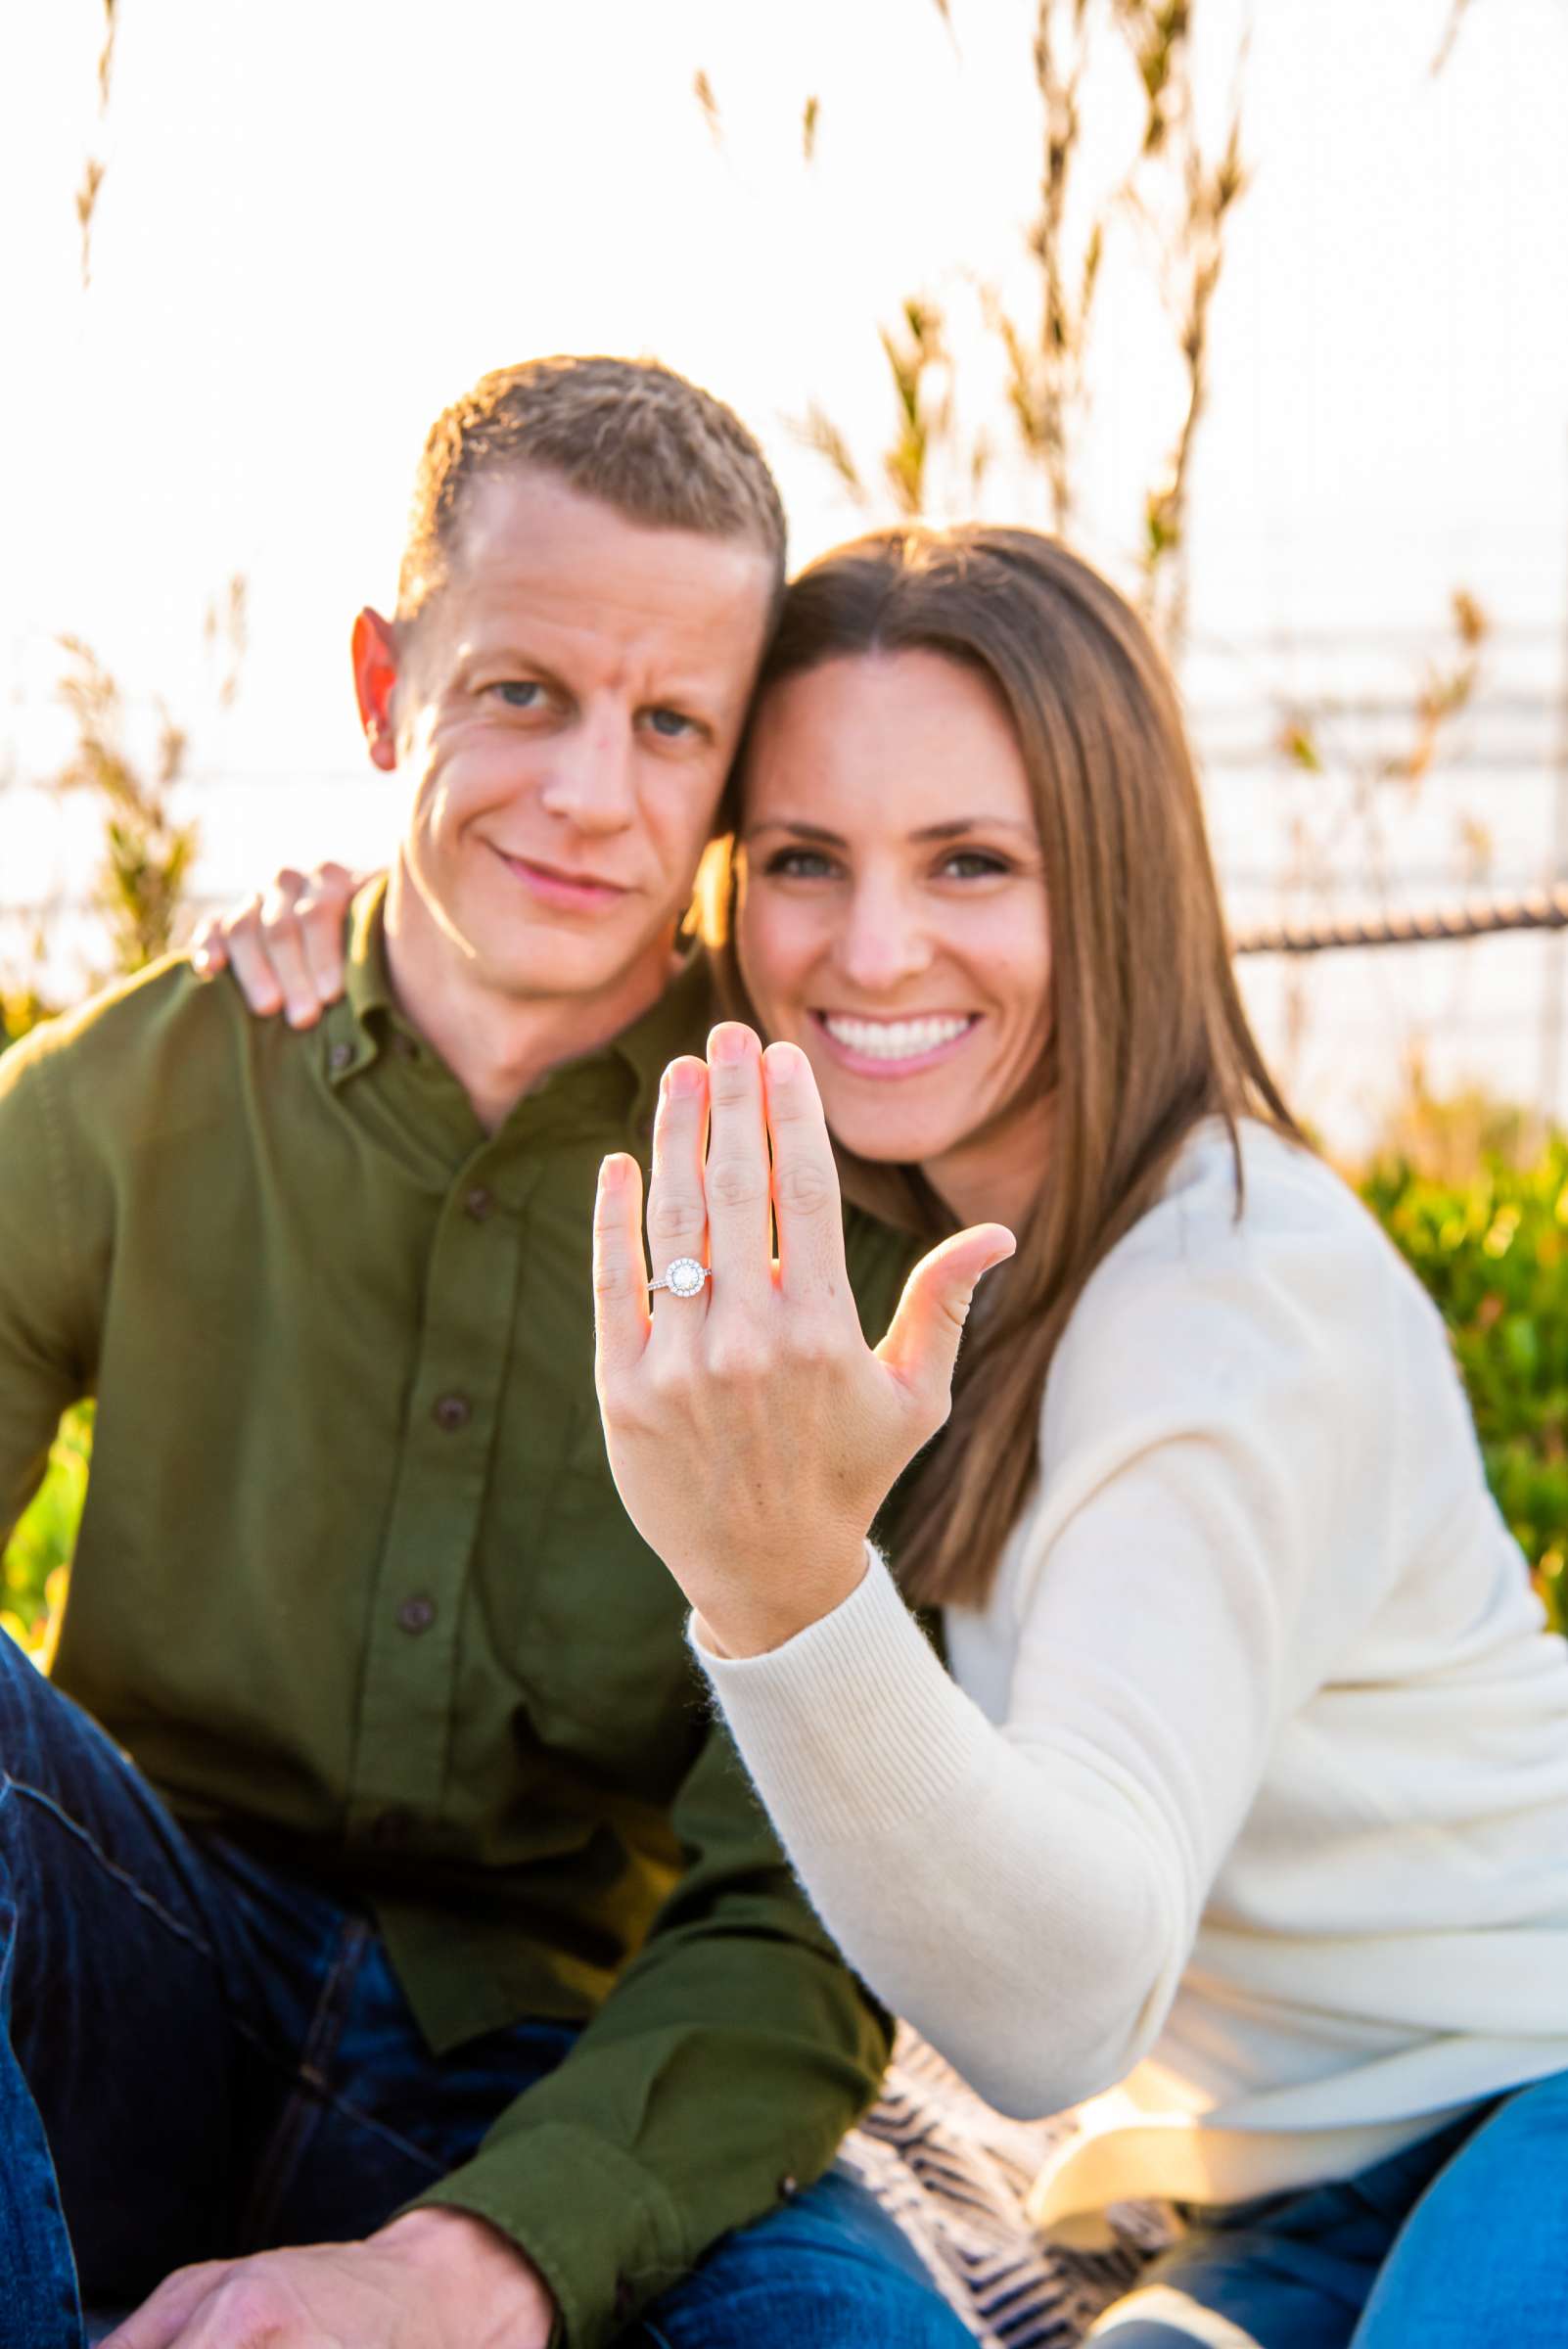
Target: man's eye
x=520 y=693
x=672 y=724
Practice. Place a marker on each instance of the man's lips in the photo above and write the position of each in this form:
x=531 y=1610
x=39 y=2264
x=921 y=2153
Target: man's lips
x=900 y=1048
x=558 y=885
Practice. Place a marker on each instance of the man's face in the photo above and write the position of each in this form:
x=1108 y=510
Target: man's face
x=567 y=707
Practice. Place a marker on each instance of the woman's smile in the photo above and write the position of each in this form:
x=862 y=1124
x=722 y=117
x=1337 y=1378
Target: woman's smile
x=882 y=1047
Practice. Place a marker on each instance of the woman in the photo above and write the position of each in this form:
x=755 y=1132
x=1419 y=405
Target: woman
x=1243 y=1819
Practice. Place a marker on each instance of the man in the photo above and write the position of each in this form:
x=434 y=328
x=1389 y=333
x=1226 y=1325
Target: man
x=420 y=1968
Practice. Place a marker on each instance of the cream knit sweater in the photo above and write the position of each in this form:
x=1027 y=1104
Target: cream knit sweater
x=1248 y=1799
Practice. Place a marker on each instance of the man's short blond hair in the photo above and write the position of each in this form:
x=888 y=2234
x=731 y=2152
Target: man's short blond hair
x=628 y=432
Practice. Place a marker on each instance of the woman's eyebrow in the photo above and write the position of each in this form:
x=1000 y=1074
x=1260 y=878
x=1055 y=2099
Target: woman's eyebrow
x=954 y=830
x=971 y=823
x=783 y=823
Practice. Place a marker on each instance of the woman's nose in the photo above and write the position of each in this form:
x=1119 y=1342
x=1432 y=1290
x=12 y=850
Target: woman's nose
x=883 y=941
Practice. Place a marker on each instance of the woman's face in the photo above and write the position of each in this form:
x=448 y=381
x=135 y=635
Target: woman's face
x=892 y=916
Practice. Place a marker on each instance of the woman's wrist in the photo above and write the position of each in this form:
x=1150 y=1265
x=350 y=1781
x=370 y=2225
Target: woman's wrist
x=735 y=1618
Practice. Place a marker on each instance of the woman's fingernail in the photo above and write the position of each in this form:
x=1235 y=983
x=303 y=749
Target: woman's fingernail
x=728 y=1043
x=783 y=1063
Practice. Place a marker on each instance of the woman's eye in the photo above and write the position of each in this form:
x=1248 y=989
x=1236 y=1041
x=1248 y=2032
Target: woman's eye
x=798 y=864
x=973 y=864
x=672 y=724
x=520 y=693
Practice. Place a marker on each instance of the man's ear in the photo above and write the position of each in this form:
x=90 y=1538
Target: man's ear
x=377 y=656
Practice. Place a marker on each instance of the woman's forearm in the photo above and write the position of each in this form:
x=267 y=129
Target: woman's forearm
x=1022 y=1912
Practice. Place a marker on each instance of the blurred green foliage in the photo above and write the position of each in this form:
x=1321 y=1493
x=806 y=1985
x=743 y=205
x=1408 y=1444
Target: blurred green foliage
x=20 y=1008
x=32 y=1587
x=1491 y=1251
x=1490 y=1246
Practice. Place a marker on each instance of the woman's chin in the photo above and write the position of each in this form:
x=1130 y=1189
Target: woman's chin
x=889 y=1140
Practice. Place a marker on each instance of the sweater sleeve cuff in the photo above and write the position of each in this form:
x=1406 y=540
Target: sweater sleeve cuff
x=852 y=1725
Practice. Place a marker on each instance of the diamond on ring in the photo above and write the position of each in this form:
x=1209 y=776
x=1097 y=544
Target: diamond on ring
x=682 y=1278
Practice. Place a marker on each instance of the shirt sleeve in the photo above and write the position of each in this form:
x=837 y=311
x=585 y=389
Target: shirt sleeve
x=1027 y=1891
x=718 y=2076
x=42 y=1341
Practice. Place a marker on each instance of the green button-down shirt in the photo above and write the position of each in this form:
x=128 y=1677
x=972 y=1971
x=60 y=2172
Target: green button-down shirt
x=353 y=1575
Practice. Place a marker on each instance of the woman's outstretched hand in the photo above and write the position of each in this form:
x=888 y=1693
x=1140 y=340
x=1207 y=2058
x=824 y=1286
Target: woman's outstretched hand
x=752 y=1432
x=284 y=945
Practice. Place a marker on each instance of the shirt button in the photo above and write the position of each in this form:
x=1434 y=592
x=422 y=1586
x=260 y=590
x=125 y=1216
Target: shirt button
x=340 y=1056
x=452 y=1411
x=416 y=1614
x=478 y=1204
x=788 y=2188
x=391 y=1829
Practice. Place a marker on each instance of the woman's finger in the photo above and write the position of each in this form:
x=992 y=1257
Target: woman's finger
x=806 y=1204
x=283 y=943
x=323 y=911
x=248 y=960
x=619 y=1273
x=209 y=949
x=321 y=944
x=921 y=1346
x=678 y=1212
x=736 y=1176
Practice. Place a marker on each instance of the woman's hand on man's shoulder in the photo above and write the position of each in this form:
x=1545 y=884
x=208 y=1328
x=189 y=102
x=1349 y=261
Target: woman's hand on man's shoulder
x=284 y=945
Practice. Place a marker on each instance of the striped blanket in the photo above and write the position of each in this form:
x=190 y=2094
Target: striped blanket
x=956 y=2176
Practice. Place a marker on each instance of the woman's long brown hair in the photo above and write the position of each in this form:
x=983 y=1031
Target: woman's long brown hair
x=1144 y=1033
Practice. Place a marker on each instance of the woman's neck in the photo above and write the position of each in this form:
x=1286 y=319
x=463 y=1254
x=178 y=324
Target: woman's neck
x=996 y=1178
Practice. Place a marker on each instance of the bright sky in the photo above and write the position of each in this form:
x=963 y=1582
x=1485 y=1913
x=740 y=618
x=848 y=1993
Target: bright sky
x=322 y=218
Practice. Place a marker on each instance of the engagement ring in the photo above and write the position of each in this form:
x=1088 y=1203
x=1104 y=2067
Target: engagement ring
x=684 y=1277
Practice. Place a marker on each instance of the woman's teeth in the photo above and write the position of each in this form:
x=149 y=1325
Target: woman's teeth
x=893 y=1039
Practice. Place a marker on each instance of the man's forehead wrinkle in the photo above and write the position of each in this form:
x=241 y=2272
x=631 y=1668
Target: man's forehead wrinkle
x=589 y=655
x=564 y=633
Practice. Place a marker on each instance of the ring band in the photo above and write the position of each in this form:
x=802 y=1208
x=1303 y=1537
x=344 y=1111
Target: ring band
x=683 y=1278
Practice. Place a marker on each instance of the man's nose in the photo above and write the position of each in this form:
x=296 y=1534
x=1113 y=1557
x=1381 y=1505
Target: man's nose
x=589 y=783
x=884 y=940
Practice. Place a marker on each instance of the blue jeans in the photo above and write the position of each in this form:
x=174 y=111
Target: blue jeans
x=202 y=2055
x=1457 y=2242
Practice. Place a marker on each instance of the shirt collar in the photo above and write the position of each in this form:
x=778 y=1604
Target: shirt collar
x=352 y=1033
x=367 y=980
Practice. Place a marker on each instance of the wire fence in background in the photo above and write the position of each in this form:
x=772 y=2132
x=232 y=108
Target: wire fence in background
x=1539 y=909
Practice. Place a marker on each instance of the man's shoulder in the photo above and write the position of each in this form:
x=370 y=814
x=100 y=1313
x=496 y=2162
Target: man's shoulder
x=160 y=1032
